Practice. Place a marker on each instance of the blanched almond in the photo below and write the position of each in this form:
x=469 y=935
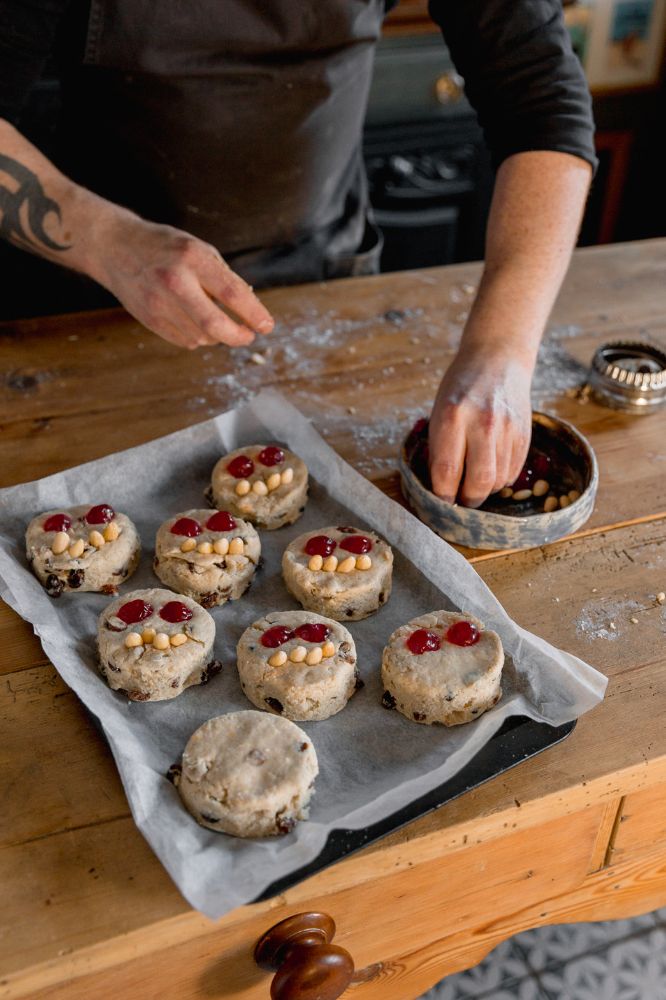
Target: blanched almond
x=60 y=543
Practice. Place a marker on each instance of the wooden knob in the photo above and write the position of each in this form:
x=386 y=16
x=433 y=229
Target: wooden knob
x=308 y=966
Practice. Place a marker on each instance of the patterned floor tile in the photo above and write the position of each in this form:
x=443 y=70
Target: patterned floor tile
x=634 y=969
x=520 y=989
x=502 y=968
x=556 y=944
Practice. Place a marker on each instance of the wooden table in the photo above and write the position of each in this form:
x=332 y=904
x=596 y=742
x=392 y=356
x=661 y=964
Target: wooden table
x=578 y=833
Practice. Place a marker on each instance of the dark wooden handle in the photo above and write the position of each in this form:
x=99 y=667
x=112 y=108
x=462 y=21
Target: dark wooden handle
x=308 y=966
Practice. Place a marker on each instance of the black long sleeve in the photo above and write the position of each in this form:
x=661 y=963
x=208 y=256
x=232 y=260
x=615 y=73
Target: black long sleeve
x=521 y=74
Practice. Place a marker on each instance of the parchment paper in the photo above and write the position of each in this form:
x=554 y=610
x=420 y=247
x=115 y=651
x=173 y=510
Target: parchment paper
x=372 y=761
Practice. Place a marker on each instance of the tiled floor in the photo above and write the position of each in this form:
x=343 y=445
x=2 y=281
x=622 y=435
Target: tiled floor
x=616 y=960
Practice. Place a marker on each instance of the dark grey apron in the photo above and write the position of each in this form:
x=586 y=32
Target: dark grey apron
x=237 y=120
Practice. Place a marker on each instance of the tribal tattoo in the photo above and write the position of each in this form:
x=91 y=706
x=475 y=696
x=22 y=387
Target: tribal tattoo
x=23 y=211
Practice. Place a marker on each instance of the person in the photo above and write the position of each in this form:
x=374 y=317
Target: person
x=205 y=148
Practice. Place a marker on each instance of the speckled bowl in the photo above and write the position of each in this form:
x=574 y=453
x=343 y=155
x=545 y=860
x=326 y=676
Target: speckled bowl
x=482 y=529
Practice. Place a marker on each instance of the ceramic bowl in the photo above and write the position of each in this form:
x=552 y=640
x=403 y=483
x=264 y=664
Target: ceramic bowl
x=485 y=529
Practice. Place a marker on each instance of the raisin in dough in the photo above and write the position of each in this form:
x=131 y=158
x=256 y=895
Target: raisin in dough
x=130 y=635
x=108 y=541
x=316 y=578
x=263 y=484
x=449 y=685
x=208 y=555
x=275 y=674
x=248 y=774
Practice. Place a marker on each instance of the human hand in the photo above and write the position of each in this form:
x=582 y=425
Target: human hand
x=480 y=426
x=175 y=284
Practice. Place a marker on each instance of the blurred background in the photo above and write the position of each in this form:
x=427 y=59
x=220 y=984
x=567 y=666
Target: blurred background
x=429 y=173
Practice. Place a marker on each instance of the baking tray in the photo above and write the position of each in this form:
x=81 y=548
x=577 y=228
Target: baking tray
x=519 y=739
x=377 y=770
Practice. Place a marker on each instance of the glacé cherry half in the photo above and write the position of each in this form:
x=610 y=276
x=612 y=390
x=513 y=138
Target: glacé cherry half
x=100 y=514
x=423 y=641
x=175 y=611
x=358 y=544
x=276 y=636
x=134 y=611
x=186 y=526
x=463 y=634
x=320 y=545
x=241 y=467
x=221 y=520
x=271 y=456
x=57 y=522
x=312 y=632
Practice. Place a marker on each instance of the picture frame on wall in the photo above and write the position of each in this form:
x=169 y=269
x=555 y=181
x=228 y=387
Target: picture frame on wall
x=625 y=43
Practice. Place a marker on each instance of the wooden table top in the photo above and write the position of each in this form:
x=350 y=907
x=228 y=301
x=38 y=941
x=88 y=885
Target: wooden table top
x=362 y=358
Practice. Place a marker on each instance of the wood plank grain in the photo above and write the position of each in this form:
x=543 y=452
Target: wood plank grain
x=625 y=891
x=20 y=648
x=641 y=825
x=221 y=959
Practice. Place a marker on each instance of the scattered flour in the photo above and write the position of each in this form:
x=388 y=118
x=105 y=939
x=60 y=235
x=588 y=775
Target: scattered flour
x=304 y=346
x=596 y=618
x=556 y=369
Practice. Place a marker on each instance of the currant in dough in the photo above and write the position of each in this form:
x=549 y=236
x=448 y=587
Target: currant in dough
x=263 y=484
x=211 y=556
x=82 y=548
x=344 y=573
x=298 y=664
x=153 y=644
x=249 y=774
x=442 y=667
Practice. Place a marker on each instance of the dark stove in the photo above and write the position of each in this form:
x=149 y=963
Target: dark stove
x=429 y=173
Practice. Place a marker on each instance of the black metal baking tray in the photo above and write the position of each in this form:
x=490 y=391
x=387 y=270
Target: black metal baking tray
x=518 y=739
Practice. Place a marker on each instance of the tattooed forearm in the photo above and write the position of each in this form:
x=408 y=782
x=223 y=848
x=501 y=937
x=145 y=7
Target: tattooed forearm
x=24 y=208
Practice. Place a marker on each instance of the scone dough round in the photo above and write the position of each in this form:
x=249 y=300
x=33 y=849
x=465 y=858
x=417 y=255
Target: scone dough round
x=348 y=596
x=248 y=774
x=275 y=505
x=451 y=685
x=143 y=672
x=98 y=568
x=298 y=690
x=210 y=578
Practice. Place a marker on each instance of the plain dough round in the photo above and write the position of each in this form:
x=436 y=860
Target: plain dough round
x=248 y=774
x=143 y=673
x=281 y=506
x=100 y=570
x=295 y=690
x=341 y=596
x=208 y=579
x=452 y=685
